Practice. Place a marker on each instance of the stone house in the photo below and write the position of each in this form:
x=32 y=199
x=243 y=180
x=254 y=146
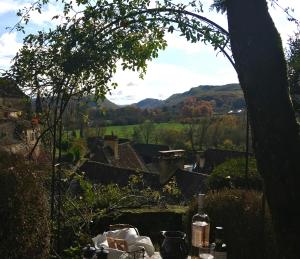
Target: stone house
x=17 y=135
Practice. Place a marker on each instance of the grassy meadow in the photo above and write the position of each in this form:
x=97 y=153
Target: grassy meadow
x=126 y=131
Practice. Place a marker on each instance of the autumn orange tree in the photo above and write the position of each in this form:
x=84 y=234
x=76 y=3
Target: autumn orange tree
x=197 y=115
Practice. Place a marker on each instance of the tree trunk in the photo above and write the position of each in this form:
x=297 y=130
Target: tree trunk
x=261 y=67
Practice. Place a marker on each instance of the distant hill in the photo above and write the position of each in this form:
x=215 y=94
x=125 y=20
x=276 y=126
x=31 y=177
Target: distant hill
x=149 y=103
x=86 y=102
x=224 y=97
x=105 y=103
x=207 y=92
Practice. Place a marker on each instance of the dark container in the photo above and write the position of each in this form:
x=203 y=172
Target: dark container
x=88 y=251
x=174 y=245
x=102 y=253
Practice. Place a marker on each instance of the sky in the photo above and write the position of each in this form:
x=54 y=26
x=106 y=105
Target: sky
x=181 y=66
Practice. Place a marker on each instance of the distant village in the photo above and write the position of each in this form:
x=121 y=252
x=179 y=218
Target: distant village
x=109 y=159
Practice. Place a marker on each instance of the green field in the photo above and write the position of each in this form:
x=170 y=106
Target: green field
x=126 y=131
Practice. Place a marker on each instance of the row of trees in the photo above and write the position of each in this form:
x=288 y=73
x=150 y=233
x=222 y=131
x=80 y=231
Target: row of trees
x=80 y=56
x=129 y=115
x=226 y=131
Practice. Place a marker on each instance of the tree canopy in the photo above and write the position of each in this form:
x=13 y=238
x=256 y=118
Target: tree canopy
x=80 y=56
x=293 y=59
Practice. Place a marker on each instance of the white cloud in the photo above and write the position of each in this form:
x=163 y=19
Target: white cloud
x=45 y=18
x=40 y=19
x=8 y=48
x=180 y=43
x=10 y=6
x=163 y=80
x=285 y=27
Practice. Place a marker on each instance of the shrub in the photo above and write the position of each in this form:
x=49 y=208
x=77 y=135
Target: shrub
x=24 y=229
x=65 y=145
x=74 y=135
x=248 y=231
x=110 y=194
x=78 y=148
x=68 y=157
x=231 y=174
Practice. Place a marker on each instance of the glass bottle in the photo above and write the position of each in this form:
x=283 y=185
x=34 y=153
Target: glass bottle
x=200 y=229
x=220 y=248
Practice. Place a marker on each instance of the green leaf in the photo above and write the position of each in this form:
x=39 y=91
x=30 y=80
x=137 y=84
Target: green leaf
x=171 y=29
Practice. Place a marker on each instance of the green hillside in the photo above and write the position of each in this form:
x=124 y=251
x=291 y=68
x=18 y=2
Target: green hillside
x=105 y=103
x=224 y=97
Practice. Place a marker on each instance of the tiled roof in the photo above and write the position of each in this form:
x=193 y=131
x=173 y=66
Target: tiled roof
x=149 y=151
x=99 y=155
x=105 y=174
x=128 y=158
x=188 y=183
x=8 y=88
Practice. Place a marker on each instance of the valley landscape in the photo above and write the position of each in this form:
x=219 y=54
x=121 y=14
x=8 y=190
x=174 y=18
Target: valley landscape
x=84 y=177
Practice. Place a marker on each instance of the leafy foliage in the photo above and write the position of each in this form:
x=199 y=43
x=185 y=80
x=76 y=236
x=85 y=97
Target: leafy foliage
x=144 y=132
x=248 y=228
x=219 y=6
x=24 y=230
x=194 y=108
x=231 y=174
x=293 y=58
x=83 y=202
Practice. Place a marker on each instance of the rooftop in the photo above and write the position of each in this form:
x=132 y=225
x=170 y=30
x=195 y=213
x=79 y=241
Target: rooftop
x=8 y=88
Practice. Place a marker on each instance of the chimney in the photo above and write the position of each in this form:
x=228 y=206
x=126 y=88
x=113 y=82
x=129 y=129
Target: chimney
x=169 y=162
x=112 y=142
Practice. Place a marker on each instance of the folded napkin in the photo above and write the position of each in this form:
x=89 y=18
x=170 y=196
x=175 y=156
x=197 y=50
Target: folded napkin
x=134 y=241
